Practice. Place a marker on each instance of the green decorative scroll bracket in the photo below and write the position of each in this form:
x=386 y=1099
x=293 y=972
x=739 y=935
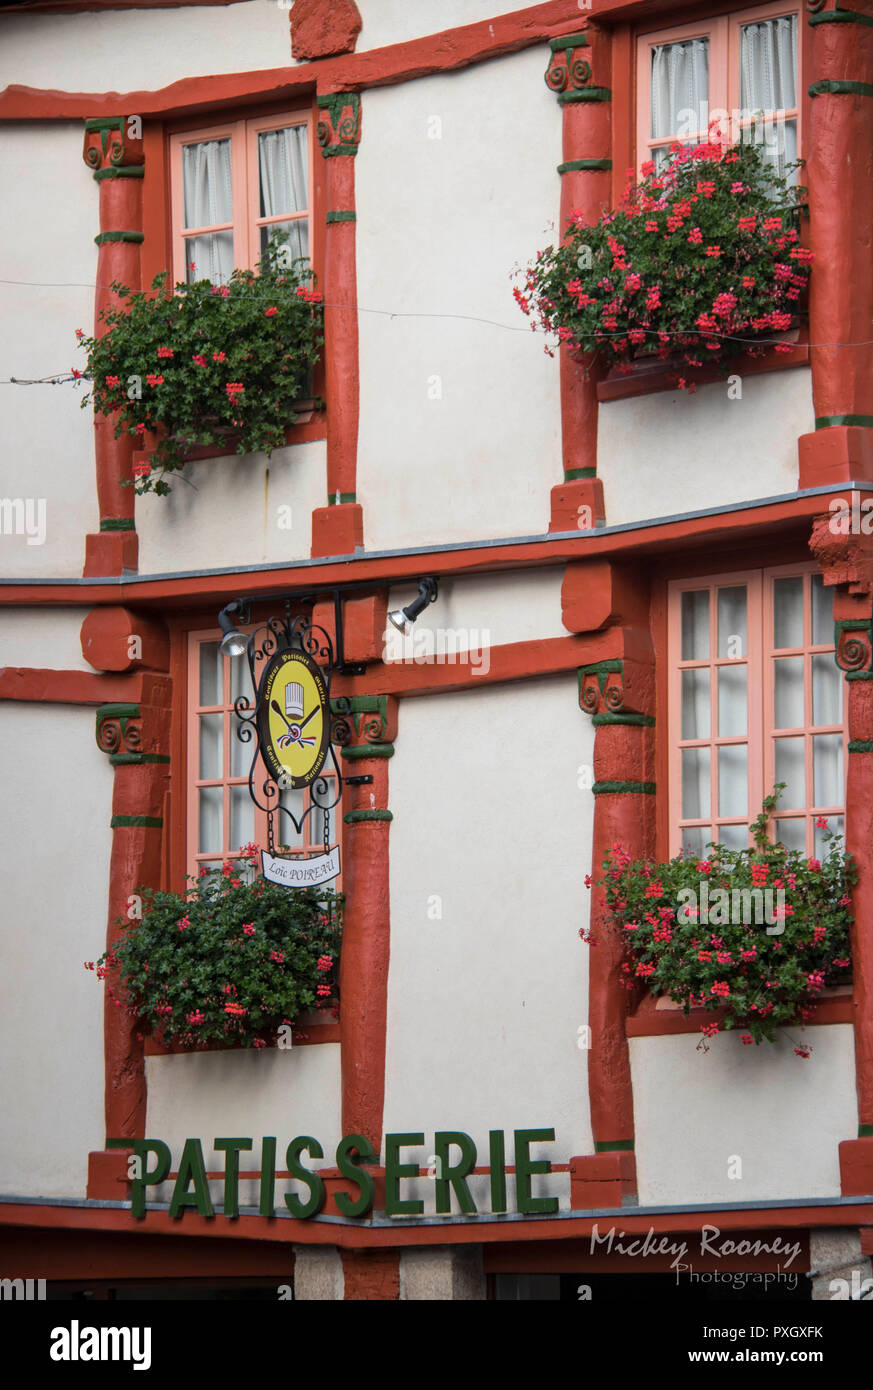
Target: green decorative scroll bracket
x=340 y=132
x=119 y=733
x=567 y=69
x=110 y=148
x=359 y=724
x=827 y=86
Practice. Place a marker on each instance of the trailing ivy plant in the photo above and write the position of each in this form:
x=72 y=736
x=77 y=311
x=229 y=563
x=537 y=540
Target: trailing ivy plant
x=756 y=933
x=197 y=363
x=701 y=258
x=230 y=962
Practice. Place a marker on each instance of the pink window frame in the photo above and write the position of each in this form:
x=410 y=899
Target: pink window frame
x=243 y=136
x=194 y=856
x=723 y=33
x=761 y=733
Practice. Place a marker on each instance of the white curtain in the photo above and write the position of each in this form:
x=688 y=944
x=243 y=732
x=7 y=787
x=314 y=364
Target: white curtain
x=208 y=197
x=680 y=88
x=768 y=83
x=282 y=162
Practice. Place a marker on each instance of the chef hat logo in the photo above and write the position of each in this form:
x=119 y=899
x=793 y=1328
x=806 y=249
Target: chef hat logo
x=294 y=700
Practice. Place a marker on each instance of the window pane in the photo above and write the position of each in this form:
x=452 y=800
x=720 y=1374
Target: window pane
x=787 y=613
x=207 y=183
x=790 y=769
x=695 y=838
x=733 y=784
x=777 y=141
x=293 y=802
x=792 y=833
x=732 y=718
x=768 y=65
x=242 y=817
x=210 y=820
x=734 y=836
x=822 y=613
x=240 y=753
x=679 y=101
x=695 y=703
x=210 y=746
x=732 y=638
x=316 y=820
x=827 y=769
x=788 y=690
x=210 y=674
x=835 y=823
x=827 y=690
x=297 y=244
x=209 y=257
x=283 y=170
x=695 y=625
x=695 y=783
x=240 y=678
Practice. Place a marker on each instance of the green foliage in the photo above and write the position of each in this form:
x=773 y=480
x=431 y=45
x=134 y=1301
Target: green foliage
x=194 y=364
x=761 y=974
x=700 y=258
x=230 y=962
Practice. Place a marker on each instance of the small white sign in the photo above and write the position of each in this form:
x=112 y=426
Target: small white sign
x=301 y=873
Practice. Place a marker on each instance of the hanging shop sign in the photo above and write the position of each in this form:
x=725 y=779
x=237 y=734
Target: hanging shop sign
x=450 y=1163
x=301 y=873
x=292 y=725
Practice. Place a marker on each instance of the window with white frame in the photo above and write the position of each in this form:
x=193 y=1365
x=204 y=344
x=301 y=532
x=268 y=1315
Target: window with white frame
x=738 y=70
x=756 y=698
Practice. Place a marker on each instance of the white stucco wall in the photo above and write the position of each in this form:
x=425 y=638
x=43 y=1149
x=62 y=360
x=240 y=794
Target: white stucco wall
x=43 y=637
x=782 y=1116
x=441 y=222
x=56 y=805
x=396 y=21
x=485 y=1002
x=283 y=1092
x=139 y=50
x=479 y=612
x=674 y=452
x=231 y=511
x=46 y=440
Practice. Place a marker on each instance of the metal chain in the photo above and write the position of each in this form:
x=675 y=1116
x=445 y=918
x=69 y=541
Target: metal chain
x=271 y=844
x=326 y=830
